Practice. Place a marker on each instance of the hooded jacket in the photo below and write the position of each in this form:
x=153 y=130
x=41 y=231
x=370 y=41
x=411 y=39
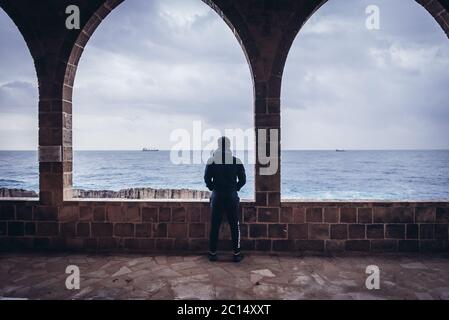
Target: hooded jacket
x=224 y=172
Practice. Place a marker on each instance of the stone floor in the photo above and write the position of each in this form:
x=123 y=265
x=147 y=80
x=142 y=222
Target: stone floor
x=42 y=276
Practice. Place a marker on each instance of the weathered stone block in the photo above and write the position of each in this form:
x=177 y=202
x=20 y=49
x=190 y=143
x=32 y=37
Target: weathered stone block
x=331 y=215
x=297 y=231
x=348 y=215
x=339 y=231
x=268 y=214
x=314 y=215
x=319 y=231
x=102 y=230
x=278 y=231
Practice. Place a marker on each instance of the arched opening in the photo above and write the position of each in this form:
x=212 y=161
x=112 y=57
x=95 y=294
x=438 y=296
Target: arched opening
x=19 y=168
x=378 y=96
x=157 y=75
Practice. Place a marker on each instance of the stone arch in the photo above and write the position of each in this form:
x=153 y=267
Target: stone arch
x=77 y=49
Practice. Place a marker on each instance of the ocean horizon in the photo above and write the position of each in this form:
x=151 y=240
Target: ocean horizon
x=405 y=174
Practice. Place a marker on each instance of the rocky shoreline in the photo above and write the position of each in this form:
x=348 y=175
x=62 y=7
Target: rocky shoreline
x=133 y=193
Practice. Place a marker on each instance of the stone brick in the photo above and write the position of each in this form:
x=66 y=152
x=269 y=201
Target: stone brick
x=412 y=231
x=164 y=244
x=181 y=245
x=258 y=230
x=261 y=199
x=442 y=215
x=47 y=229
x=395 y=231
x=286 y=215
x=332 y=215
x=384 y=245
x=143 y=230
x=99 y=214
x=274 y=199
x=177 y=230
x=41 y=243
x=16 y=229
x=124 y=230
x=132 y=213
x=160 y=230
x=375 y=231
x=164 y=214
x=197 y=230
x=179 y=215
x=408 y=246
x=310 y=245
x=3 y=229
x=426 y=231
x=425 y=214
x=248 y=245
x=335 y=246
x=69 y=214
x=68 y=229
x=314 y=215
x=339 y=231
x=147 y=244
x=263 y=245
x=277 y=231
x=194 y=214
x=102 y=230
x=393 y=215
x=30 y=228
x=348 y=215
x=297 y=231
x=90 y=244
x=365 y=215
x=7 y=212
x=299 y=215
x=24 y=212
x=199 y=244
x=83 y=230
x=115 y=213
x=357 y=231
x=149 y=214
x=319 y=231
x=106 y=243
x=86 y=214
x=46 y=213
x=132 y=244
x=249 y=215
x=441 y=231
x=268 y=214
x=433 y=246
x=358 y=245
x=283 y=245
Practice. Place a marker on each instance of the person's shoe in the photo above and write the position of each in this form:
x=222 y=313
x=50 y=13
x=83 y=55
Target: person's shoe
x=212 y=257
x=237 y=257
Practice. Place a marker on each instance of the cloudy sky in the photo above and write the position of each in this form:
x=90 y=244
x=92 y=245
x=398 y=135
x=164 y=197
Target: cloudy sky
x=156 y=66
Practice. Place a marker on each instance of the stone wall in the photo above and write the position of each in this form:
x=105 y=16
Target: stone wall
x=265 y=30
x=297 y=227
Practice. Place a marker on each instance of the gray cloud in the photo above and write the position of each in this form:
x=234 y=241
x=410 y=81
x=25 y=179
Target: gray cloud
x=154 y=66
x=348 y=87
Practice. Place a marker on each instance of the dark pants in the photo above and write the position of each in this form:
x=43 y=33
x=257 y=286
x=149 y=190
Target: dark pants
x=228 y=202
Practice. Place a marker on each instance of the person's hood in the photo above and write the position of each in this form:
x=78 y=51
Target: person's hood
x=220 y=157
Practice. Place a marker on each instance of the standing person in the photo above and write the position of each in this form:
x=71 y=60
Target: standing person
x=224 y=176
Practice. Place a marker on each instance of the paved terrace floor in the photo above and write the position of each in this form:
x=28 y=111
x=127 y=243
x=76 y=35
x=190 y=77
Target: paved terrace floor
x=42 y=276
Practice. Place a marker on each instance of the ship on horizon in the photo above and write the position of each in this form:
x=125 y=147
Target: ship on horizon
x=150 y=150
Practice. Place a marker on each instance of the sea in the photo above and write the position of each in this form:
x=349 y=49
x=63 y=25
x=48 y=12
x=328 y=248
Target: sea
x=305 y=175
